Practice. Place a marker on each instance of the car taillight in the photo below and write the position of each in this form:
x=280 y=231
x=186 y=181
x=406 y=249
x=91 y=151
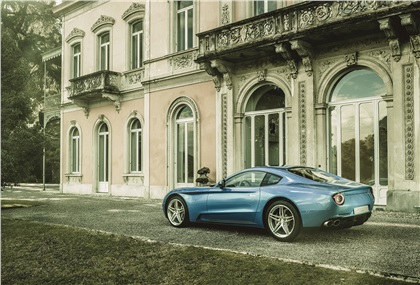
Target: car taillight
x=339 y=199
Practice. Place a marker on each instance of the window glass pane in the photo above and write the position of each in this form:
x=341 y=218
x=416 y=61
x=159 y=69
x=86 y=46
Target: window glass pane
x=102 y=158
x=103 y=128
x=133 y=151
x=246 y=179
x=180 y=155
x=134 y=51
x=139 y=160
x=137 y=27
x=333 y=141
x=259 y=140
x=258 y=7
x=358 y=84
x=184 y=4
x=74 y=155
x=190 y=141
x=190 y=29
x=248 y=142
x=105 y=38
x=181 y=31
x=185 y=112
x=273 y=139
x=272 y=5
x=348 y=143
x=383 y=144
x=271 y=179
x=367 y=144
x=266 y=98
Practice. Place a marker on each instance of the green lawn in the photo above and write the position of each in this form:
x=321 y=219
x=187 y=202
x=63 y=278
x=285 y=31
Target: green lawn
x=36 y=253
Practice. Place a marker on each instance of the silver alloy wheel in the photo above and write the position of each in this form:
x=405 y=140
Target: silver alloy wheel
x=281 y=221
x=175 y=212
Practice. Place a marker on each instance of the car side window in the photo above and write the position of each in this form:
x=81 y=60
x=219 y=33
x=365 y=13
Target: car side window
x=271 y=179
x=246 y=179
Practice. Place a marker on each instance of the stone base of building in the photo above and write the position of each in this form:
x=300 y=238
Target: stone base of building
x=403 y=200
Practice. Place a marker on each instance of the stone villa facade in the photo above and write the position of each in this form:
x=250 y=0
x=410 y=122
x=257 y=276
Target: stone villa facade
x=152 y=91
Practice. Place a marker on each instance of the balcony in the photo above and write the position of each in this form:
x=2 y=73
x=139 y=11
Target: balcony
x=293 y=33
x=95 y=87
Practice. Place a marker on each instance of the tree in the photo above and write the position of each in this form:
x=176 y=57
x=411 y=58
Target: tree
x=28 y=30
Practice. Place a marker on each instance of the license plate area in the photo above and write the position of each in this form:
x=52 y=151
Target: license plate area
x=361 y=210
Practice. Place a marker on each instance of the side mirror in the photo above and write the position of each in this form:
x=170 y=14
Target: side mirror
x=221 y=183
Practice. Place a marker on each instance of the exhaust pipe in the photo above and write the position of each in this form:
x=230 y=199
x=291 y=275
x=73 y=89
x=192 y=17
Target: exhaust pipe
x=336 y=223
x=328 y=224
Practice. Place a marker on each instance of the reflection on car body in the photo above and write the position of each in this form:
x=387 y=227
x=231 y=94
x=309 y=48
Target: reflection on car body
x=281 y=199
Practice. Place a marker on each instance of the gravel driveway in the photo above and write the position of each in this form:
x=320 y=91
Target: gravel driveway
x=388 y=244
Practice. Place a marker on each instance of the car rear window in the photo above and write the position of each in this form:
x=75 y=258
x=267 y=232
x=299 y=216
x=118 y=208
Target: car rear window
x=271 y=179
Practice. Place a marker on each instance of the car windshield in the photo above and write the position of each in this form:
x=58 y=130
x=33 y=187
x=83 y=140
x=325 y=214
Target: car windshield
x=314 y=174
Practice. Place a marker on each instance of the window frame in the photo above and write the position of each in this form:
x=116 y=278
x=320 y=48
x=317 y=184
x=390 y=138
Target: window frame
x=140 y=42
x=107 y=46
x=76 y=57
x=139 y=149
x=378 y=109
x=171 y=118
x=74 y=166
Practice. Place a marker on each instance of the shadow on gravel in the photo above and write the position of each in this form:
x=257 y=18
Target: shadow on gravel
x=313 y=235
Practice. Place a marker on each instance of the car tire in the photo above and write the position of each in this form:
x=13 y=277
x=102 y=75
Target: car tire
x=283 y=220
x=177 y=212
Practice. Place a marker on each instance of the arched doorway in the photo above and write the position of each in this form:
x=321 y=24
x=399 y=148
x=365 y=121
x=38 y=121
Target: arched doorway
x=357 y=144
x=103 y=158
x=265 y=127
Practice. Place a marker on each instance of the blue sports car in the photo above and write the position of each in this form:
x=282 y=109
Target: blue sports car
x=281 y=199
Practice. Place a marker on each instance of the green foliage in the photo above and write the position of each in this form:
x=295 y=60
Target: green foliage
x=28 y=30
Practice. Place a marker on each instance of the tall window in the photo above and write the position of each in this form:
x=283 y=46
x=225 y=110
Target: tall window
x=136 y=44
x=264 y=6
x=184 y=25
x=74 y=150
x=265 y=127
x=358 y=128
x=135 y=146
x=184 y=146
x=103 y=153
x=104 y=51
x=77 y=55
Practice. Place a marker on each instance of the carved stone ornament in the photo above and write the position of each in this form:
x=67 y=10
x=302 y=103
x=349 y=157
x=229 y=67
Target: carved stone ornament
x=224 y=68
x=304 y=51
x=75 y=33
x=411 y=24
x=214 y=73
x=103 y=20
x=219 y=69
x=409 y=121
x=134 y=8
x=182 y=61
x=388 y=26
x=225 y=14
x=261 y=75
x=286 y=52
x=351 y=59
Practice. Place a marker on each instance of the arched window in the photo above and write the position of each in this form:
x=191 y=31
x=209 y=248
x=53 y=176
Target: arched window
x=358 y=128
x=184 y=146
x=74 y=150
x=135 y=146
x=265 y=127
x=103 y=157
